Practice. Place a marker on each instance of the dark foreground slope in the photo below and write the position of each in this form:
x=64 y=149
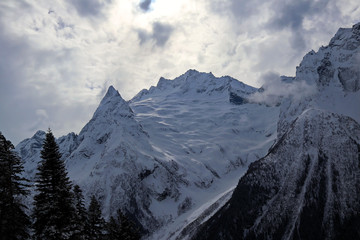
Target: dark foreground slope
x=307 y=187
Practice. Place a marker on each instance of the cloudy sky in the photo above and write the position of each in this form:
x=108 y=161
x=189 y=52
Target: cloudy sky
x=57 y=58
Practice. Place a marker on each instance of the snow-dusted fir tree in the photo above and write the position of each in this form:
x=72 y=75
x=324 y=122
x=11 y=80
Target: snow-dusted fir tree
x=96 y=226
x=80 y=216
x=14 y=222
x=53 y=204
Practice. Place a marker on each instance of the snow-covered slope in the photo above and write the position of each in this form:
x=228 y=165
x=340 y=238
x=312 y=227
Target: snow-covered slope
x=30 y=148
x=196 y=85
x=110 y=157
x=165 y=154
x=171 y=156
x=308 y=185
x=334 y=73
x=205 y=128
x=195 y=121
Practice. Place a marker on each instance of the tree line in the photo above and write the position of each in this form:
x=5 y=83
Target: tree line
x=59 y=210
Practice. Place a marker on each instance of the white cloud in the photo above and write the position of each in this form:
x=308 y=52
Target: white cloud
x=60 y=55
x=275 y=88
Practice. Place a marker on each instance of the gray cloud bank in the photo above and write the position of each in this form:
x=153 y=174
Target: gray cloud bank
x=160 y=34
x=57 y=57
x=145 y=5
x=88 y=8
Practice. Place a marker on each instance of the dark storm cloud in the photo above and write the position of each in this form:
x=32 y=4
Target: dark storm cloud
x=161 y=33
x=291 y=15
x=143 y=36
x=145 y=5
x=283 y=16
x=239 y=9
x=286 y=14
x=297 y=40
x=244 y=8
x=88 y=8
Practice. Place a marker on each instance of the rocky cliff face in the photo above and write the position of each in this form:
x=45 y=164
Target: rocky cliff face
x=308 y=185
x=334 y=73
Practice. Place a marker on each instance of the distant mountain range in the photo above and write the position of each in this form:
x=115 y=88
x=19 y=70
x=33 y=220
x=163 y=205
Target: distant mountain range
x=172 y=156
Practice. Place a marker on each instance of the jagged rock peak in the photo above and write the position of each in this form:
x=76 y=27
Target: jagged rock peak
x=356 y=27
x=111 y=90
x=39 y=137
x=194 y=72
x=113 y=103
x=110 y=94
x=195 y=84
x=348 y=38
x=190 y=75
x=333 y=75
x=39 y=133
x=335 y=64
x=112 y=112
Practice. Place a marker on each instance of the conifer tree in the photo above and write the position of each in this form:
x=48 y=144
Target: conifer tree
x=121 y=228
x=127 y=227
x=80 y=216
x=14 y=222
x=113 y=229
x=53 y=207
x=96 y=221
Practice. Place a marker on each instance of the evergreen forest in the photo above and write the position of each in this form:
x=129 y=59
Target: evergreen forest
x=58 y=210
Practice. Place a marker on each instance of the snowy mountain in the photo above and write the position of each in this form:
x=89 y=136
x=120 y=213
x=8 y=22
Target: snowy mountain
x=308 y=185
x=29 y=150
x=170 y=151
x=197 y=85
x=334 y=73
x=172 y=156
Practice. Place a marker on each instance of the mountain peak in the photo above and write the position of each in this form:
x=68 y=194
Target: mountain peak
x=346 y=38
x=39 y=133
x=111 y=92
x=340 y=56
x=193 y=73
x=113 y=106
x=113 y=99
x=194 y=85
x=190 y=75
x=356 y=28
x=111 y=89
x=190 y=71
